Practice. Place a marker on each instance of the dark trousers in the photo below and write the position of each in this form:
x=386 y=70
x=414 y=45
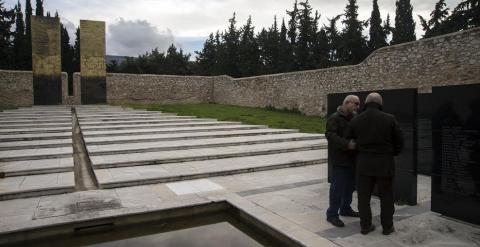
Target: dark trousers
x=385 y=190
x=341 y=189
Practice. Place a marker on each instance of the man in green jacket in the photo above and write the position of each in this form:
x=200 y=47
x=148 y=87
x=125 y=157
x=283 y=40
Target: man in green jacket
x=341 y=159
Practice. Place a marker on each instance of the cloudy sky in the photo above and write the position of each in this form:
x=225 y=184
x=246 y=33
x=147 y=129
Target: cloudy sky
x=134 y=27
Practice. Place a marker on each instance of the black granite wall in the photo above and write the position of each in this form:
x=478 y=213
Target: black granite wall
x=403 y=104
x=456 y=147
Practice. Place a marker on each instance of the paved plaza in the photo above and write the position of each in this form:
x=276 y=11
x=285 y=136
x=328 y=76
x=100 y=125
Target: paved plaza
x=142 y=161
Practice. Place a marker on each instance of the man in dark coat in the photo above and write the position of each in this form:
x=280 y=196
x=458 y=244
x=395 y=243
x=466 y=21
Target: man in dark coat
x=378 y=138
x=341 y=159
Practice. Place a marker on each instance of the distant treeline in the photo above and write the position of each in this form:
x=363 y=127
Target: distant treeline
x=299 y=43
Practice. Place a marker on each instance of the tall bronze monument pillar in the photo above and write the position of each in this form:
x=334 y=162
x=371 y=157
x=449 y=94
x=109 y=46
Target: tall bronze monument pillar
x=46 y=61
x=92 y=62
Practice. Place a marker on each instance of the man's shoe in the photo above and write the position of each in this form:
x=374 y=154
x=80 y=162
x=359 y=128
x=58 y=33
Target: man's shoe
x=367 y=230
x=388 y=231
x=336 y=222
x=351 y=214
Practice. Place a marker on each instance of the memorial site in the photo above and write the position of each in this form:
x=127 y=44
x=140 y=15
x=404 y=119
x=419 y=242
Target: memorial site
x=88 y=159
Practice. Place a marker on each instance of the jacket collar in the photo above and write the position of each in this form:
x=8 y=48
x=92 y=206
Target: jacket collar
x=373 y=106
x=343 y=113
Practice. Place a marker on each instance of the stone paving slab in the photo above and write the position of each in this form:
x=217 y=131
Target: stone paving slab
x=161 y=157
x=196 y=143
x=35 y=125
x=36 y=185
x=36 y=153
x=133 y=121
x=137 y=175
x=169 y=130
x=182 y=136
x=41 y=121
x=32 y=167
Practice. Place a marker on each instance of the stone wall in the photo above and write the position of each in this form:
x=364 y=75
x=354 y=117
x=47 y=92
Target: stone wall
x=162 y=89
x=445 y=60
x=16 y=88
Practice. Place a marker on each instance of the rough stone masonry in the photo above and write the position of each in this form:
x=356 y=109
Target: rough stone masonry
x=444 y=60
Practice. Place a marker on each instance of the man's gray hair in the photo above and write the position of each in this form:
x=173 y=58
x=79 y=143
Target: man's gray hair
x=350 y=98
x=375 y=98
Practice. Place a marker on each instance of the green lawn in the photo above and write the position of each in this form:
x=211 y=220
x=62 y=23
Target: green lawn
x=261 y=116
x=3 y=108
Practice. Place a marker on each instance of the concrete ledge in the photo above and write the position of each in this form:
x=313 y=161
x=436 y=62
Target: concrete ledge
x=36 y=192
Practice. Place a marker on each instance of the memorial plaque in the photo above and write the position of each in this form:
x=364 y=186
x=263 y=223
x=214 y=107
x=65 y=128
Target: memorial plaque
x=403 y=104
x=456 y=147
x=92 y=62
x=424 y=129
x=46 y=61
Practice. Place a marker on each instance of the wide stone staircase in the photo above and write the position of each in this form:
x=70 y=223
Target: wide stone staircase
x=127 y=147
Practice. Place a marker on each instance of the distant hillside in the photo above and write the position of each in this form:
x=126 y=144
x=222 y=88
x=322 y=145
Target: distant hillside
x=110 y=58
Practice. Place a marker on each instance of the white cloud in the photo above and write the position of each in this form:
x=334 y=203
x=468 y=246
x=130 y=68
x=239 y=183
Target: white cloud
x=134 y=37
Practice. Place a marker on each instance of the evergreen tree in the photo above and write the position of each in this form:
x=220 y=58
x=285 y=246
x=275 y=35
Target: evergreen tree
x=404 y=30
x=206 y=59
x=262 y=40
x=284 y=57
x=353 y=49
x=76 y=51
x=176 y=63
x=378 y=34
x=231 y=38
x=435 y=26
x=28 y=35
x=19 y=42
x=334 y=40
x=7 y=18
x=249 y=56
x=306 y=32
x=466 y=15
x=221 y=55
x=273 y=43
x=39 y=8
x=292 y=34
x=321 y=50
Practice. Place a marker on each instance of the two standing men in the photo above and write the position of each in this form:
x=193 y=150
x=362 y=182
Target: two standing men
x=372 y=138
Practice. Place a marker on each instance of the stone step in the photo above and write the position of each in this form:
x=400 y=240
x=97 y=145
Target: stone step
x=35 y=167
x=182 y=136
x=152 y=174
x=35 y=144
x=34 y=125
x=152 y=131
x=193 y=123
x=36 y=130
x=36 y=185
x=35 y=136
x=40 y=121
x=128 y=148
x=35 y=154
x=121 y=118
x=162 y=157
x=17 y=118
x=124 y=115
x=128 y=121
x=34 y=114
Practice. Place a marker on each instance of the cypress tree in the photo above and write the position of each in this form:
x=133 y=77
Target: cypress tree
x=248 y=51
x=378 y=35
x=206 y=59
x=28 y=35
x=305 y=37
x=19 y=39
x=39 y=8
x=284 y=58
x=262 y=40
x=333 y=40
x=231 y=37
x=404 y=30
x=7 y=18
x=434 y=26
x=353 y=43
x=292 y=34
x=76 y=51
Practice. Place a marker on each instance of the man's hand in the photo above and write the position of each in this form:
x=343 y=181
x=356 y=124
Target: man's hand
x=352 y=145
